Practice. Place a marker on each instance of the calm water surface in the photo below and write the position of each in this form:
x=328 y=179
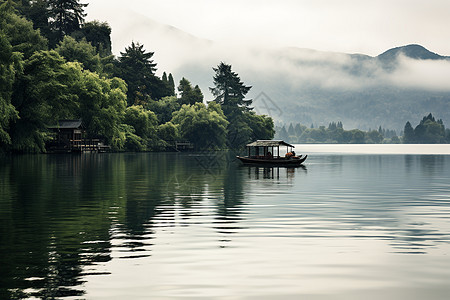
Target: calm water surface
x=352 y=224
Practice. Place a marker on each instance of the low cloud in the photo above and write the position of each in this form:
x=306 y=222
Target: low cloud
x=188 y=56
x=433 y=75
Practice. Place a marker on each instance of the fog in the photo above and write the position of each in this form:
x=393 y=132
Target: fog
x=350 y=26
x=185 y=54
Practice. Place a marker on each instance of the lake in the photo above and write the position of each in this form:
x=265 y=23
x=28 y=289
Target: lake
x=357 y=222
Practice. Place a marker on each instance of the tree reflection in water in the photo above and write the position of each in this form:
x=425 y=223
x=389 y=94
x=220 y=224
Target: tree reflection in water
x=61 y=214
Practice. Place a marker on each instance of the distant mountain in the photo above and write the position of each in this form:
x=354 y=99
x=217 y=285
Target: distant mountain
x=304 y=85
x=412 y=51
x=314 y=87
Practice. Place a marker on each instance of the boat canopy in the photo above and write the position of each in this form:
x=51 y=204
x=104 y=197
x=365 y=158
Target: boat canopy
x=269 y=143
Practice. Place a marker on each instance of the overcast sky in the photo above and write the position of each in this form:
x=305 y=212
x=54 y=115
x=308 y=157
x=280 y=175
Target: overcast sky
x=351 y=26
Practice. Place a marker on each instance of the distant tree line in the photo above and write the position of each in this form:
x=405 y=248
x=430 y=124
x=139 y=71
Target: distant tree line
x=54 y=66
x=428 y=131
x=334 y=134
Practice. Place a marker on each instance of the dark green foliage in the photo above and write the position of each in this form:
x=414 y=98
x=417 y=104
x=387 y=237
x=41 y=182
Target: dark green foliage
x=102 y=107
x=66 y=17
x=429 y=131
x=374 y=137
x=99 y=35
x=133 y=142
x=51 y=89
x=10 y=66
x=82 y=52
x=164 y=108
x=39 y=87
x=188 y=94
x=408 y=135
x=261 y=126
x=143 y=121
x=144 y=124
x=205 y=126
x=171 y=84
x=168 y=132
x=38 y=12
x=43 y=95
x=229 y=91
x=137 y=68
x=19 y=32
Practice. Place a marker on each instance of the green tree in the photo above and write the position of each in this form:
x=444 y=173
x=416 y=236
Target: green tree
x=205 y=126
x=19 y=32
x=37 y=12
x=408 y=135
x=188 y=94
x=137 y=68
x=99 y=35
x=229 y=91
x=430 y=131
x=44 y=94
x=164 y=108
x=52 y=89
x=143 y=121
x=171 y=84
x=374 y=137
x=66 y=16
x=133 y=142
x=357 y=136
x=82 y=52
x=261 y=126
x=10 y=65
x=168 y=132
x=102 y=107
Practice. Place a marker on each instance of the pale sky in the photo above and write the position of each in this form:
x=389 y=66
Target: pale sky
x=350 y=26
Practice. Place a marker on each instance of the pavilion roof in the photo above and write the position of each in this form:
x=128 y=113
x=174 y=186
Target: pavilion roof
x=269 y=143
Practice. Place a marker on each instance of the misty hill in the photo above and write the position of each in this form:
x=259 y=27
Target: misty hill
x=307 y=86
x=304 y=85
x=411 y=51
x=364 y=92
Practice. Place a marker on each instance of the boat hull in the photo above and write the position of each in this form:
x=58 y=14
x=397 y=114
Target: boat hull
x=272 y=161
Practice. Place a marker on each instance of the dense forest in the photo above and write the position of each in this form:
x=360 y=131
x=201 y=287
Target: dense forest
x=428 y=131
x=56 y=66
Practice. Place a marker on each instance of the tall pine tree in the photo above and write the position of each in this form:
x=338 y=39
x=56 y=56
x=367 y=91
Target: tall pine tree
x=136 y=67
x=408 y=135
x=66 y=16
x=230 y=91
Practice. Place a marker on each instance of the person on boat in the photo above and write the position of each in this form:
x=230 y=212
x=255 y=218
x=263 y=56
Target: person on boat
x=269 y=154
x=293 y=153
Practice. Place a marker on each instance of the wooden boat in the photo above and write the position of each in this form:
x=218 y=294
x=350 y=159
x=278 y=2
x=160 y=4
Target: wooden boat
x=262 y=152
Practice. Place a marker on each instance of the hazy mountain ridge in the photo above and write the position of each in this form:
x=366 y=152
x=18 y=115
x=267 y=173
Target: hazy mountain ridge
x=305 y=85
x=413 y=51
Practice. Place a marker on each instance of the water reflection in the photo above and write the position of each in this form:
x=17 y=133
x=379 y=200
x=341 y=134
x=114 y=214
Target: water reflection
x=62 y=214
x=270 y=172
x=65 y=218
